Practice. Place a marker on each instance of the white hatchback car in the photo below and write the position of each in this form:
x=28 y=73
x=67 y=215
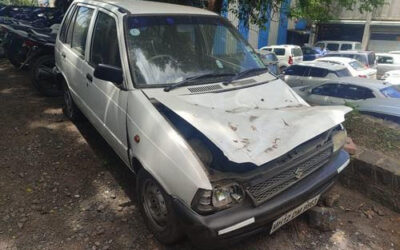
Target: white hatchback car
x=356 y=68
x=392 y=77
x=287 y=54
x=221 y=148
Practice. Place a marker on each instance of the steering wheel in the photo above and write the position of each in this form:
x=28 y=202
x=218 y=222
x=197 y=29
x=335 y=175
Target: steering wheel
x=163 y=56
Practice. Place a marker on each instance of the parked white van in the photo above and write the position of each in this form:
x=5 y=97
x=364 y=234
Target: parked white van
x=338 y=45
x=221 y=148
x=287 y=54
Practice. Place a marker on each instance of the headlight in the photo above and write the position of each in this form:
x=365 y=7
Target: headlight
x=221 y=197
x=339 y=138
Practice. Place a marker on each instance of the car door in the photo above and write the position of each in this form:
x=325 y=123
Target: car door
x=294 y=75
x=106 y=100
x=73 y=55
x=316 y=75
x=324 y=94
x=62 y=43
x=384 y=64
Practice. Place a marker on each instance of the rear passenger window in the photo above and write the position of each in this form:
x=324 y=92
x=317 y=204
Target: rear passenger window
x=385 y=59
x=105 y=47
x=297 y=52
x=296 y=70
x=329 y=89
x=64 y=27
x=279 y=52
x=346 y=46
x=343 y=73
x=332 y=46
x=356 y=93
x=80 y=29
x=318 y=72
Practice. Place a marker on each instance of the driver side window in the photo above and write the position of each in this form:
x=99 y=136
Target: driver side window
x=105 y=49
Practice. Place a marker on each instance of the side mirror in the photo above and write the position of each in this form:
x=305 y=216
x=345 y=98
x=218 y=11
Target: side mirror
x=109 y=73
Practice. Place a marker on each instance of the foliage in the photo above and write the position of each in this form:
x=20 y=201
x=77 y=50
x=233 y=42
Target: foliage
x=258 y=12
x=18 y=2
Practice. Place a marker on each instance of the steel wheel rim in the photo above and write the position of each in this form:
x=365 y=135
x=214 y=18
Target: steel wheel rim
x=154 y=205
x=68 y=102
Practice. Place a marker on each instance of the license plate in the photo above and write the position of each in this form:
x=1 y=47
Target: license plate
x=293 y=213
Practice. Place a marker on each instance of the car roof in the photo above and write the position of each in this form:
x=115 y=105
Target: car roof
x=323 y=65
x=282 y=46
x=148 y=7
x=351 y=52
x=388 y=54
x=336 y=41
x=362 y=82
x=336 y=59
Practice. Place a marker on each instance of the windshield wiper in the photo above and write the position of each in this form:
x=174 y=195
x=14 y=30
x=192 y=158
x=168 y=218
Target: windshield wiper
x=243 y=73
x=191 y=78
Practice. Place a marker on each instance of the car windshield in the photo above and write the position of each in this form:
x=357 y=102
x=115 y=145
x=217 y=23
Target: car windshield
x=164 y=50
x=357 y=65
x=392 y=92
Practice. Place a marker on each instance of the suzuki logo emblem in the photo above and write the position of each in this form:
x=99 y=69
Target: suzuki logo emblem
x=298 y=173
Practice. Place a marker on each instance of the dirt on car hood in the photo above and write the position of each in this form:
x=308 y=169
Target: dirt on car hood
x=255 y=124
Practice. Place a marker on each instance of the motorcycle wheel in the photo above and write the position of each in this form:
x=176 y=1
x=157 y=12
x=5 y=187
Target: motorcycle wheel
x=43 y=78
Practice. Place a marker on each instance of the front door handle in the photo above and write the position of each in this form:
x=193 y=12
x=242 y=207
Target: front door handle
x=63 y=55
x=89 y=77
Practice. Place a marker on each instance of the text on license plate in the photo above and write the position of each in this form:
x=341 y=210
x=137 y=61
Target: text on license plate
x=294 y=213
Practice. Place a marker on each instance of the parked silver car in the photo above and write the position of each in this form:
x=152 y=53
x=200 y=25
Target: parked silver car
x=314 y=72
x=367 y=58
x=387 y=62
x=369 y=96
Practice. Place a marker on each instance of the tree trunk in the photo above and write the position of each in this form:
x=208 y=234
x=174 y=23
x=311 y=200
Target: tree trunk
x=215 y=5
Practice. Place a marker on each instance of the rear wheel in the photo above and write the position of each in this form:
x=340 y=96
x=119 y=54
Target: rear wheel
x=43 y=78
x=156 y=206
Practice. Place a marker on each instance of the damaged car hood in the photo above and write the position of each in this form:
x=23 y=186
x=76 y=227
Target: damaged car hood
x=255 y=124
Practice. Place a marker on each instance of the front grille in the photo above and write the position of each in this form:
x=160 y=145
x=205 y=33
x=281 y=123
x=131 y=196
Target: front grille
x=263 y=190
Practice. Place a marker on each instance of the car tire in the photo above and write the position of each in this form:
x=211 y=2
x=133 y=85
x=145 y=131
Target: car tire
x=42 y=77
x=156 y=206
x=70 y=109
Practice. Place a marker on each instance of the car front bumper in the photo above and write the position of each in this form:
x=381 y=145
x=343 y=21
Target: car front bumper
x=243 y=220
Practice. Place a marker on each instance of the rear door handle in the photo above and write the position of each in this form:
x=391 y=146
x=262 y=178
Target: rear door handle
x=63 y=55
x=89 y=77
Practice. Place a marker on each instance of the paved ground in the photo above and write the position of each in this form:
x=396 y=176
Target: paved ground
x=62 y=187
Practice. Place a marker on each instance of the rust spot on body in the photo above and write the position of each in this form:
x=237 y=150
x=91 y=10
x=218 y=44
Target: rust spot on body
x=233 y=127
x=252 y=118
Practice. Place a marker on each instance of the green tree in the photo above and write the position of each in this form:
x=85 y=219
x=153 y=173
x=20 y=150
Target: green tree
x=260 y=11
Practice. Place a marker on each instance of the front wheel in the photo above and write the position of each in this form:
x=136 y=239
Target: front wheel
x=70 y=109
x=156 y=206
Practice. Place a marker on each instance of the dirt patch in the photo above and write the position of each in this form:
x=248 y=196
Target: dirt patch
x=374 y=133
x=62 y=187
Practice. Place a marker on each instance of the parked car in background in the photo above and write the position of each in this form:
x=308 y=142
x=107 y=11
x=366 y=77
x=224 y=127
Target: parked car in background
x=365 y=57
x=310 y=53
x=287 y=54
x=356 y=68
x=270 y=60
x=338 y=45
x=368 y=96
x=392 y=77
x=311 y=73
x=217 y=150
x=387 y=62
